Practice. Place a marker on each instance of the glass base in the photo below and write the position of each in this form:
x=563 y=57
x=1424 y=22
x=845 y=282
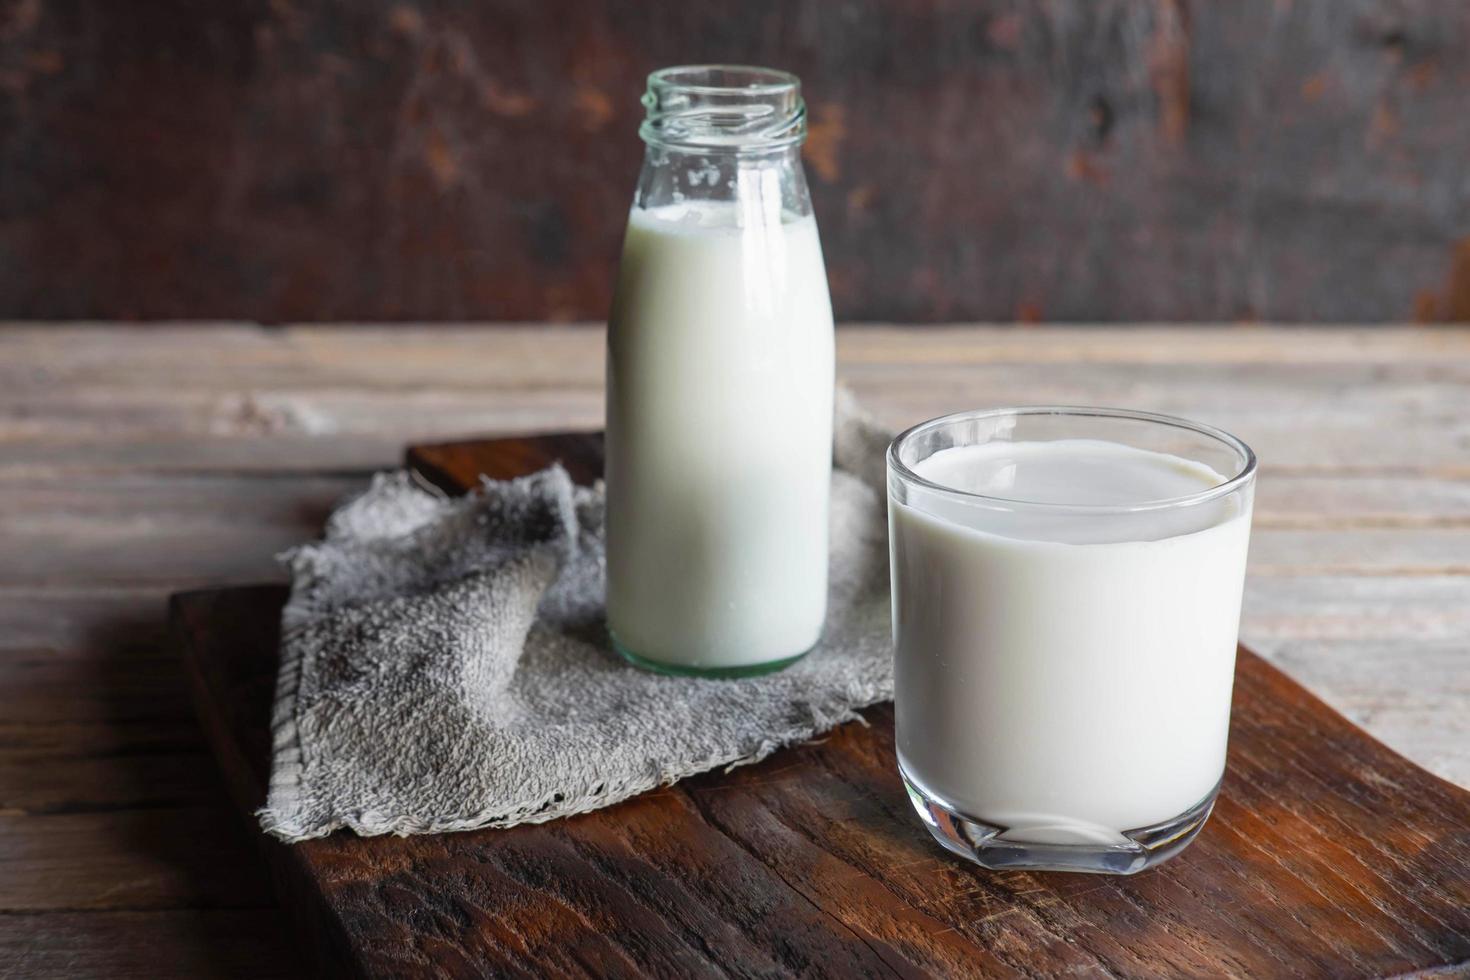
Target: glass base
x=684 y=670
x=982 y=843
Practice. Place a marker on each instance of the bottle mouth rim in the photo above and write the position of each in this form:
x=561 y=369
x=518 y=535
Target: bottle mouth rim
x=776 y=80
x=741 y=108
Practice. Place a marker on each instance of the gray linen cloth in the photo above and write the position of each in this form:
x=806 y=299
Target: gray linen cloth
x=444 y=664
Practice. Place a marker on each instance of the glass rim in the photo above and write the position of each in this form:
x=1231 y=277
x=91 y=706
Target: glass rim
x=1245 y=474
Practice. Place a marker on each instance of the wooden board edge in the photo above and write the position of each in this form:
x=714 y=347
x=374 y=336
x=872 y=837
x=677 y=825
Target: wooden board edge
x=1294 y=692
x=301 y=902
x=442 y=464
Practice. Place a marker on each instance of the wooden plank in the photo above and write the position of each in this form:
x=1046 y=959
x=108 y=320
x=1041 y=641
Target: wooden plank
x=1372 y=551
x=171 y=857
x=1342 y=448
x=1297 y=500
x=243 y=357
x=146 y=503
x=118 y=684
x=248 y=356
x=812 y=862
x=122 y=556
x=1254 y=397
x=28 y=743
x=1412 y=698
x=1311 y=401
x=57 y=781
x=196 y=454
x=487 y=360
x=200 y=499
x=107 y=799
x=1257 y=395
x=113 y=698
x=879 y=345
x=99 y=730
x=133 y=531
x=1389 y=610
x=146 y=945
x=1329 y=446
x=261 y=413
x=143 y=503
x=67 y=552
x=80 y=619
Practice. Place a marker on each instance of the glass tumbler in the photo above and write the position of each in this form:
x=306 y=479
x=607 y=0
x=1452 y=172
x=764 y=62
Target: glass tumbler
x=1066 y=602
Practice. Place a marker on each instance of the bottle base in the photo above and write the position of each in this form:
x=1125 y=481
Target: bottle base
x=684 y=670
x=984 y=844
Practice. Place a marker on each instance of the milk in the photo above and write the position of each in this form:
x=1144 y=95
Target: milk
x=719 y=431
x=1067 y=678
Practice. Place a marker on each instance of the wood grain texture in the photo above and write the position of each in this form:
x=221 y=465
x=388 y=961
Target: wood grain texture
x=1085 y=159
x=1328 y=855
x=131 y=945
x=136 y=462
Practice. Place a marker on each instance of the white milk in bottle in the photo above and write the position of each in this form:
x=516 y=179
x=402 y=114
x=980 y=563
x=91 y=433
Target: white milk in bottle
x=720 y=376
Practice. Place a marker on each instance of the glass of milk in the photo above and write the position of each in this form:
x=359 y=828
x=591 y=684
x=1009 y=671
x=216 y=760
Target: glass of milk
x=719 y=384
x=1066 y=599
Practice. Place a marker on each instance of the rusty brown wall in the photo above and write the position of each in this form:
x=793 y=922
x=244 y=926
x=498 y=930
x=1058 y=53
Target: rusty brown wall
x=417 y=159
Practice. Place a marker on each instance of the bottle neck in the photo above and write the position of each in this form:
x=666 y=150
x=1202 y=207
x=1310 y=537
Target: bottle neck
x=769 y=183
x=724 y=137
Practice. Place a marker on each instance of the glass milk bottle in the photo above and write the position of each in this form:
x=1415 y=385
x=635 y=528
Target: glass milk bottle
x=719 y=384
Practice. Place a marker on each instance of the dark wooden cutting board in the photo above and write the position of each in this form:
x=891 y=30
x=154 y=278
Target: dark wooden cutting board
x=1328 y=855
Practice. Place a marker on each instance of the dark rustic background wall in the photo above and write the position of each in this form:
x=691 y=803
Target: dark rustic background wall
x=1059 y=160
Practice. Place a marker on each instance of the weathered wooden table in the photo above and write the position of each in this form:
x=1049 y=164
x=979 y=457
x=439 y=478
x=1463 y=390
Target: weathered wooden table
x=136 y=462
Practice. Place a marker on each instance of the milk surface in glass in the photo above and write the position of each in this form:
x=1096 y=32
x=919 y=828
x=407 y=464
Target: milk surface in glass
x=1066 y=679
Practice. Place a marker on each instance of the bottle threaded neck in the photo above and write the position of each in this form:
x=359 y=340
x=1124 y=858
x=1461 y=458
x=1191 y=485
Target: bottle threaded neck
x=724 y=107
